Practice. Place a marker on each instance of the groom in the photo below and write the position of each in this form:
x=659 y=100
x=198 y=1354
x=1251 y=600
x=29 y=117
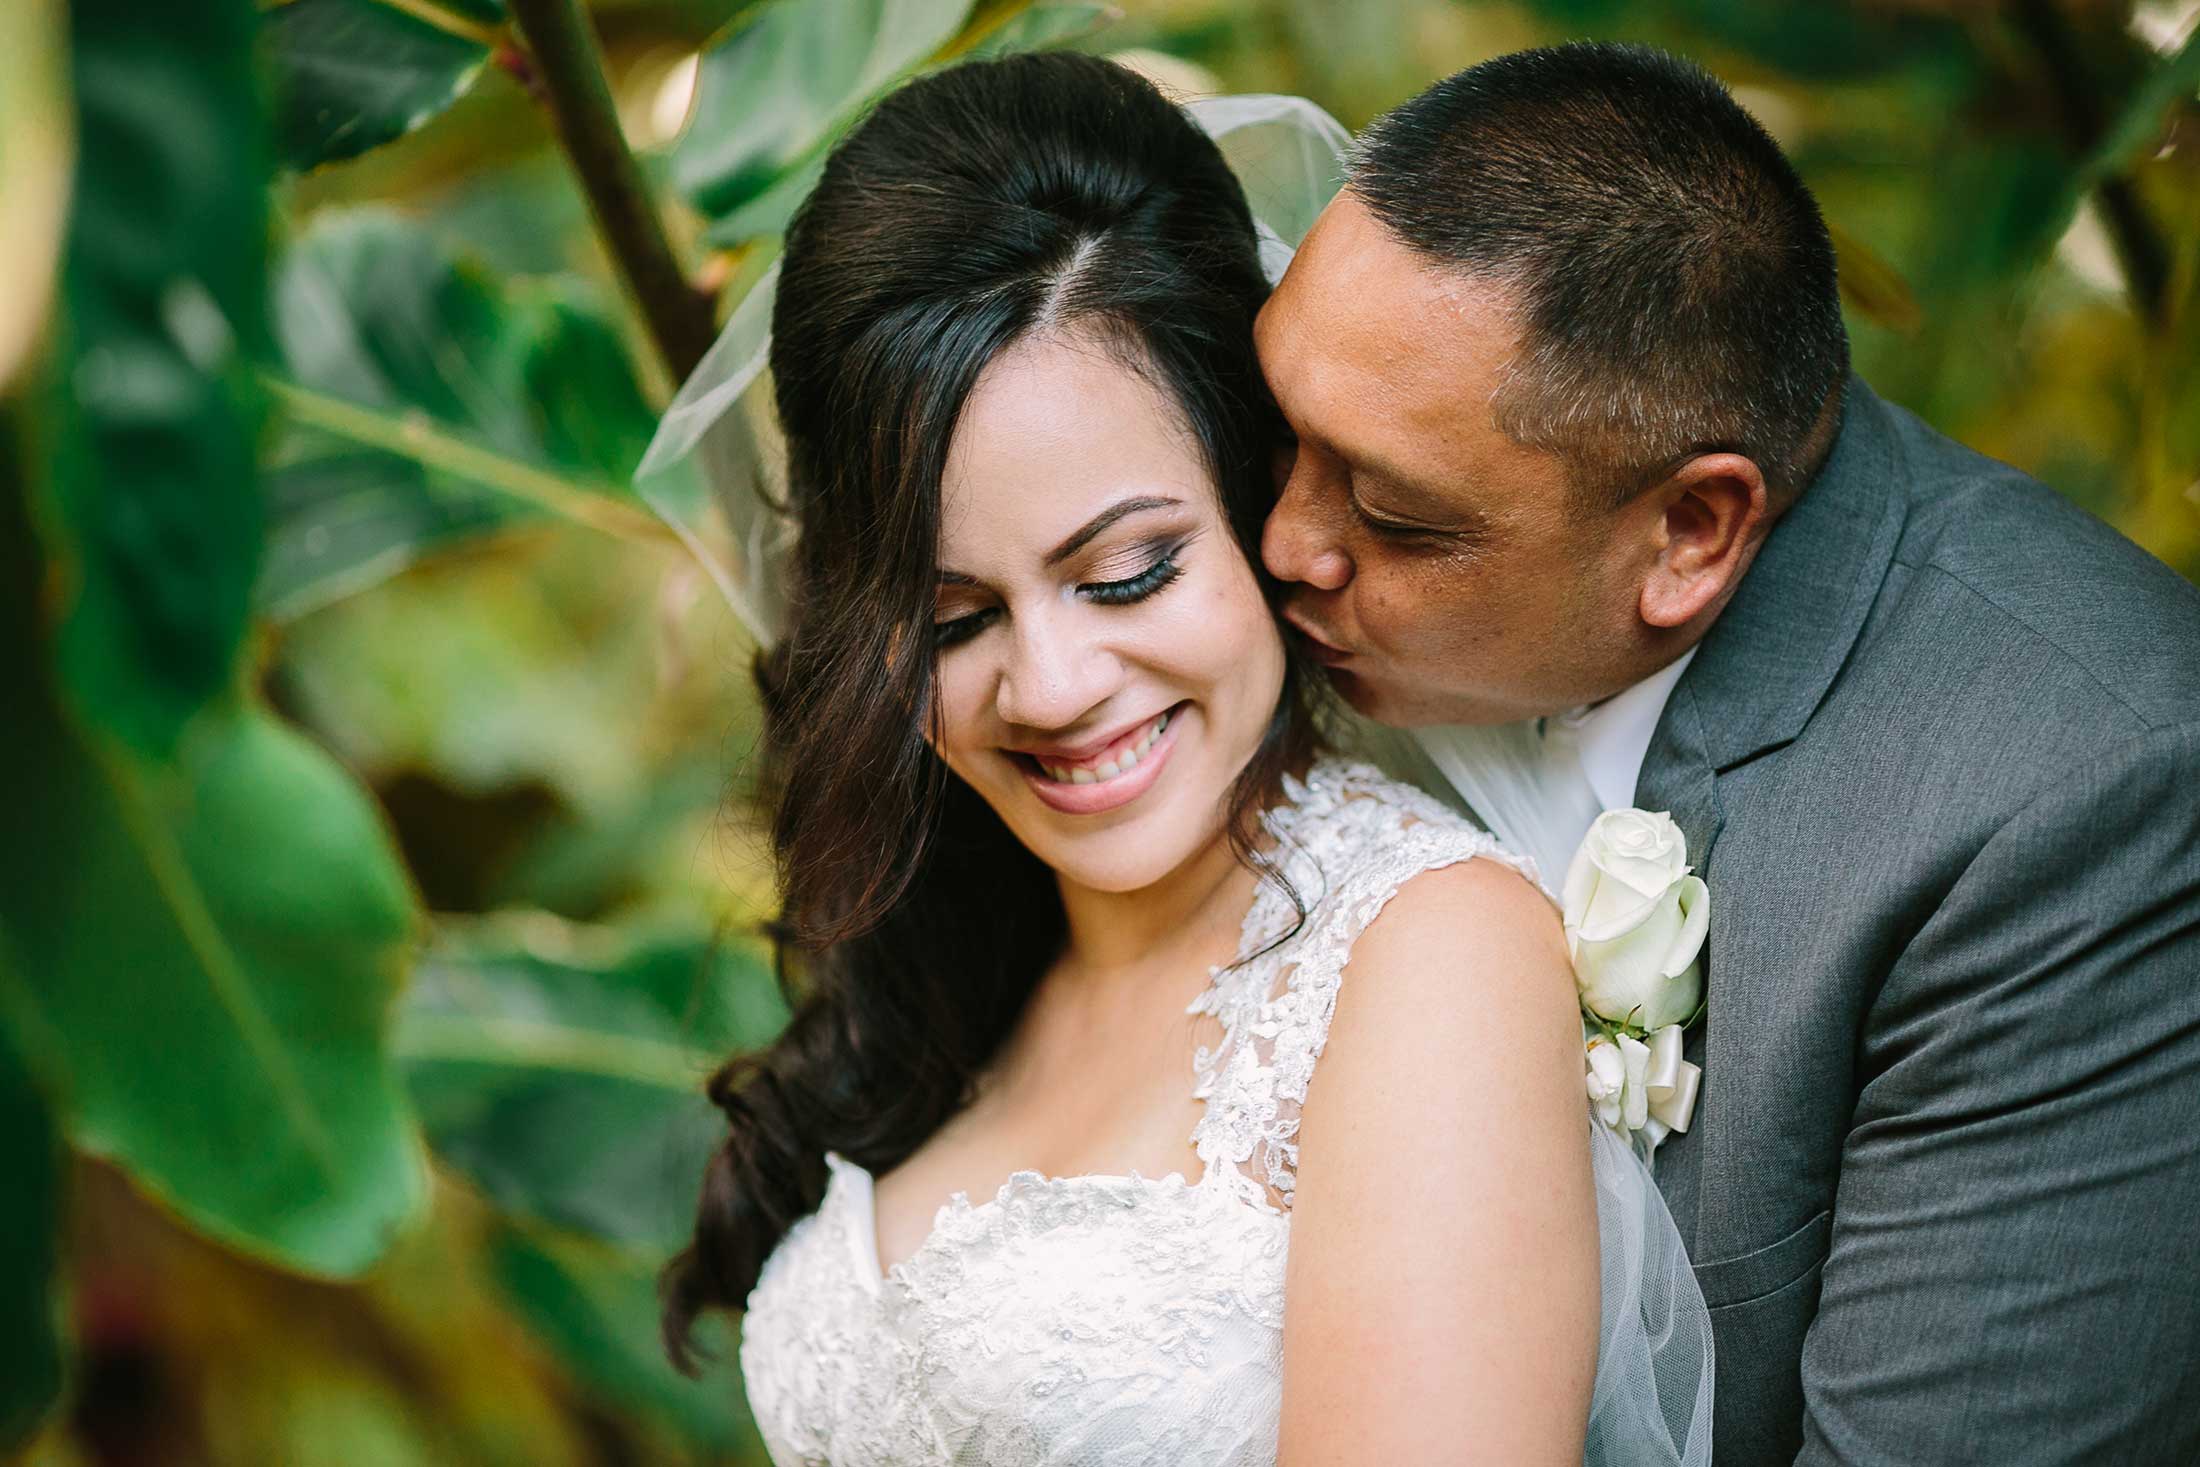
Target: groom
x=1583 y=478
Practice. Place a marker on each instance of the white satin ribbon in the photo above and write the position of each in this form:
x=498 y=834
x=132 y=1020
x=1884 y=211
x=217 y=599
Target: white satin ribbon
x=1671 y=1083
x=1651 y=1087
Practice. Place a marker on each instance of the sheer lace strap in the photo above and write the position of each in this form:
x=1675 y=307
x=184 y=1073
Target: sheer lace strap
x=1347 y=841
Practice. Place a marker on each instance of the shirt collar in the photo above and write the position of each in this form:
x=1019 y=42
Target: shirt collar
x=1613 y=736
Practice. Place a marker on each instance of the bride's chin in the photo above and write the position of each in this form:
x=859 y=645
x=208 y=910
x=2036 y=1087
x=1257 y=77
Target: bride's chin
x=1125 y=862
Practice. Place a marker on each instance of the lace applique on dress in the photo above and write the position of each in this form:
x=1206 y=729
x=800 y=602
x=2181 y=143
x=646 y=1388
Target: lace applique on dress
x=1104 y=1319
x=1347 y=839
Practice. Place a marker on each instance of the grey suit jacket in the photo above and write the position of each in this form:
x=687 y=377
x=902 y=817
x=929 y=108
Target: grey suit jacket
x=1939 y=761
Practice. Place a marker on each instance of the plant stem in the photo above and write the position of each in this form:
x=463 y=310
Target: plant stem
x=569 y=66
x=416 y=438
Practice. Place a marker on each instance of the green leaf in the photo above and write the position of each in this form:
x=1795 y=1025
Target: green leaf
x=343 y=520
x=211 y=948
x=2172 y=83
x=598 y=1310
x=35 y=1165
x=1045 y=27
x=1815 y=42
x=154 y=518
x=778 y=90
x=561 y=1067
x=427 y=405
x=350 y=75
x=205 y=918
x=1871 y=286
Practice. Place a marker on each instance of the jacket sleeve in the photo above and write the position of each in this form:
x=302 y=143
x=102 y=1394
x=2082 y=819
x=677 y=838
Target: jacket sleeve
x=2014 y=1273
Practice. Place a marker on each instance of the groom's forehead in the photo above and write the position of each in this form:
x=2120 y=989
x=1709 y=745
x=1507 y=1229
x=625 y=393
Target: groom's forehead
x=1362 y=323
x=1354 y=284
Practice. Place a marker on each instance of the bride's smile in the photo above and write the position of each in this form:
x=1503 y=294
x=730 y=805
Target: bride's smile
x=1107 y=663
x=1105 y=774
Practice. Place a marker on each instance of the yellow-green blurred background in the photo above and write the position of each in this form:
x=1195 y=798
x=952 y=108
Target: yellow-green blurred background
x=377 y=889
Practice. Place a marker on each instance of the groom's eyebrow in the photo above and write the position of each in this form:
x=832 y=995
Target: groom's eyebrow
x=1083 y=536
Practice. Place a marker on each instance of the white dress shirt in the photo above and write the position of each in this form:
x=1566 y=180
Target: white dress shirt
x=1539 y=784
x=1612 y=737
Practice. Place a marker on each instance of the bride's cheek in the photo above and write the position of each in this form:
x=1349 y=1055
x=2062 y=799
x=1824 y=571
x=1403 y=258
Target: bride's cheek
x=957 y=698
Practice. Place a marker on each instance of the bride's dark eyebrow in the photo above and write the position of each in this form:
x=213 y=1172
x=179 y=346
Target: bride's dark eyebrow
x=1083 y=535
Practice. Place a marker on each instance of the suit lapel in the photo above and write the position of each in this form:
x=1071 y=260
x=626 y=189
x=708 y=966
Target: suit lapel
x=1760 y=673
x=1767 y=662
x=1677 y=777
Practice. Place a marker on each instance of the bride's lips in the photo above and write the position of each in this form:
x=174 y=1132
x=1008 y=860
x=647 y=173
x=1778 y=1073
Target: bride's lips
x=1104 y=794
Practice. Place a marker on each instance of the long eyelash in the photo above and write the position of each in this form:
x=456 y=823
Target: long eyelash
x=961 y=629
x=1385 y=528
x=1146 y=583
x=1135 y=588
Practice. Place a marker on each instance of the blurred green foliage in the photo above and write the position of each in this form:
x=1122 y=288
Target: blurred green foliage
x=379 y=892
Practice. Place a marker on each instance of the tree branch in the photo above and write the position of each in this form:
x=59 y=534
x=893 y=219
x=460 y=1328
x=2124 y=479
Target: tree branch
x=568 y=71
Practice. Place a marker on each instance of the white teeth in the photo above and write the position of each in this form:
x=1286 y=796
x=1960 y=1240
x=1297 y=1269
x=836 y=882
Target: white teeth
x=1123 y=763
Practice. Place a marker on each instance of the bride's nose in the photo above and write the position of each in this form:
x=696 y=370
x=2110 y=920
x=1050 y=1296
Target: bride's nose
x=1054 y=673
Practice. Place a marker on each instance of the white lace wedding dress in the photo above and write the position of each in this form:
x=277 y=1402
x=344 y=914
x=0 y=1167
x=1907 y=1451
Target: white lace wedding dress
x=1104 y=1319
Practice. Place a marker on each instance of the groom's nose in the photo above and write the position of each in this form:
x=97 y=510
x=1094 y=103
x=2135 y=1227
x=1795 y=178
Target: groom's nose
x=1300 y=543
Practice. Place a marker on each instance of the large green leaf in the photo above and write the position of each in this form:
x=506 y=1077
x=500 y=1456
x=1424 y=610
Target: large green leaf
x=561 y=1067
x=1044 y=27
x=35 y=1165
x=597 y=1308
x=350 y=75
x=767 y=210
x=426 y=404
x=774 y=94
x=206 y=921
x=155 y=517
x=209 y=950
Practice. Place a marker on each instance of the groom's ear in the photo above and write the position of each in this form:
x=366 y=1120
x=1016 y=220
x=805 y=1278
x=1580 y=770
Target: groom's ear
x=1704 y=521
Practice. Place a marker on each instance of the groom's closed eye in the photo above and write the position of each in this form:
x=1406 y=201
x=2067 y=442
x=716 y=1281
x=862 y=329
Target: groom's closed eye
x=1384 y=525
x=1406 y=526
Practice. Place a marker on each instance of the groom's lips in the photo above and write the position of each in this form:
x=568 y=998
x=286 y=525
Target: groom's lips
x=1323 y=652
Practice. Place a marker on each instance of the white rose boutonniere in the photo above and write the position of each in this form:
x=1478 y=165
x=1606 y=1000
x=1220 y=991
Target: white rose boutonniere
x=1636 y=917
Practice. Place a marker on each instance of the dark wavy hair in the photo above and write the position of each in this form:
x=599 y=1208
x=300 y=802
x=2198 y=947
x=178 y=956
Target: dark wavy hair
x=973 y=208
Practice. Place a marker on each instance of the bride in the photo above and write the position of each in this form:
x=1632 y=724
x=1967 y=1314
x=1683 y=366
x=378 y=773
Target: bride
x=1076 y=1096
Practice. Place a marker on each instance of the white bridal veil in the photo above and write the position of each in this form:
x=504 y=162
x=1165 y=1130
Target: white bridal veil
x=713 y=473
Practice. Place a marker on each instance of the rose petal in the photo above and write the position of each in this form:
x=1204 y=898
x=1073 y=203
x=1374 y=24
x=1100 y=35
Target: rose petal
x=1615 y=911
x=1581 y=885
x=1695 y=904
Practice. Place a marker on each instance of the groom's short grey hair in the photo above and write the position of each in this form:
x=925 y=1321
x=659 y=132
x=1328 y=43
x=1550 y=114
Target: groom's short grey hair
x=1674 y=280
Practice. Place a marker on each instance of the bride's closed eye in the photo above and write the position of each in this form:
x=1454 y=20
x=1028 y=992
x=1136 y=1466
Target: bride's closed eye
x=1161 y=568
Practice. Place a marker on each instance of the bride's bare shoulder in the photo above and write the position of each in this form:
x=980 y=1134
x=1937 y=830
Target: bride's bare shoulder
x=1467 y=921
x=1451 y=1076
